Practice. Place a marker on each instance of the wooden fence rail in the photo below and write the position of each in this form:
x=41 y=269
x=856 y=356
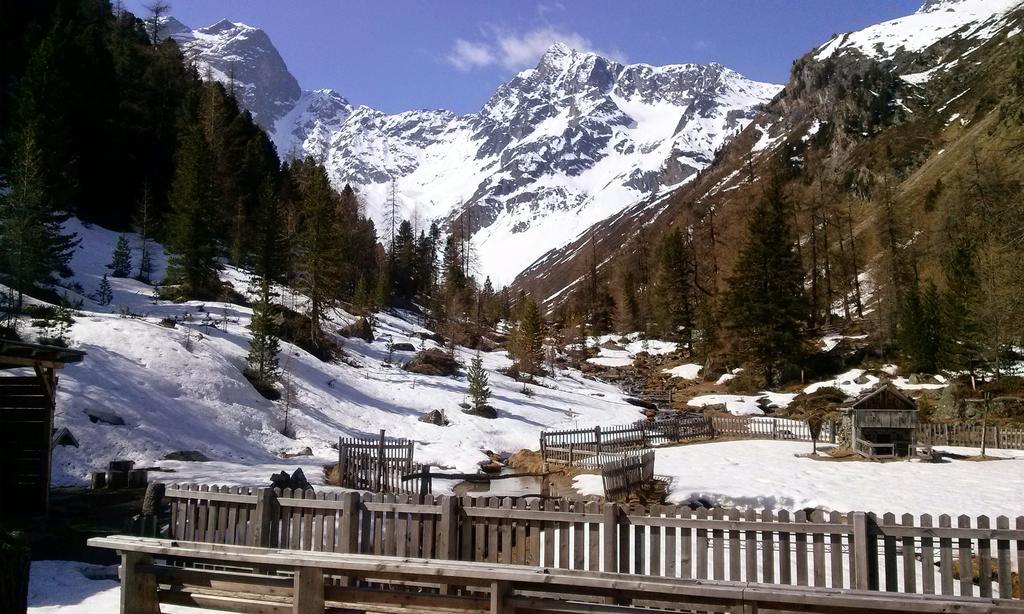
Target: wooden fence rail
x=759 y=427
x=585 y=447
x=855 y=550
x=970 y=435
x=627 y=475
x=378 y=465
x=156 y=572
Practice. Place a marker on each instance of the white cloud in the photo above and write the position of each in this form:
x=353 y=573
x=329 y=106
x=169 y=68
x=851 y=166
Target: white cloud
x=516 y=51
x=466 y=55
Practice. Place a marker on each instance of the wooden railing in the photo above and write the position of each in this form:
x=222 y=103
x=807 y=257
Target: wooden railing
x=626 y=476
x=855 y=550
x=378 y=465
x=758 y=427
x=871 y=449
x=585 y=447
x=247 y=579
x=970 y=435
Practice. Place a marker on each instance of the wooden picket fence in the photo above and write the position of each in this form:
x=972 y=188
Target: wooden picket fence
x=379 y=465
x=970 y=435
x=590 y=447
x=627 y=475
x=855 y=550
x=759 y=427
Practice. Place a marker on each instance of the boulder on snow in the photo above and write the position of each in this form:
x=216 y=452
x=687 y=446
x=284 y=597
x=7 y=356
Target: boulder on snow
x=307 y=451
x=102 y=416
x=360 y=329
x=295 y=480
x=641 y=403
x=435 y=417
x=432 y=362
x=191 y=456
x=484 y=411
x=403 y=347
x=429 y=336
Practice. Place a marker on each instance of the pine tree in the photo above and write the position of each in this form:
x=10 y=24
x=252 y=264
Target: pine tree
x=529 y=340
x=121 y=262
x=921 y=331
x=765 y=305
x=320 y=259
x=33 y=245
x=191 y=229
x=262 y=365
x=677 y=298
x=104 y=294
x=478 y=390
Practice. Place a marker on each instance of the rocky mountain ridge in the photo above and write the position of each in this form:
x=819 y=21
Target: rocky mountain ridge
x=556 y=149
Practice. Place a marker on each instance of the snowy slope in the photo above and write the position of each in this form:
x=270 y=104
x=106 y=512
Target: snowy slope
x=556 y=149
x=935 y=20
x=174 y=398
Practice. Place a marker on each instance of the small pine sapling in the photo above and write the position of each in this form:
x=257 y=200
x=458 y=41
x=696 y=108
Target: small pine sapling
x=478 y=391
x=104 y=294
x=121 y=263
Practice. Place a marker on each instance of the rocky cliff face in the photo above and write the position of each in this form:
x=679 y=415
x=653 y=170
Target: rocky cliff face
x=556 y=149
x=905 y=102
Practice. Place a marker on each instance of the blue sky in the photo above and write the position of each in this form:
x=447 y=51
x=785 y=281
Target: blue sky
x=399 y=55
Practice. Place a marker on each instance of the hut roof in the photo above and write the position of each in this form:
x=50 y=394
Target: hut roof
x=863 y=401
x=20 y=354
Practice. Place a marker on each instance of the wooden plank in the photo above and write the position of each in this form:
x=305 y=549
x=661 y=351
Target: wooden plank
x=429 y=522
x=909 y=558
x=818 y=548
x=402 y=520
x=138 y=588
x=945 y=558
x=625 y=551
x=202 y=515
x=984 y=561
x=801 y=552
x=309 y=591
x=685 y=545
x=671 y=549
x=735 y=564
x=466 y=552
x=964 y=559
x=639 y=539
x=313 y=532
x=564 y=529
x=365 y=525
x=579 y=552
x=233 y=531
x=1020 y=560
x=285 y=531
x=835 y=541
x=767 y=549
x=297 y=535
x=610 y=531
x=549 y=536
x=388 y=541
x=493 y=529
x=927 y=557
x=533 y=548
x=593 y=537
x=750 y=548
x=654 y=567
x=701 y=555
x=416 y=528
x=1003 y=563
x=718 y=547
x=786 y=546
x=519 y=551
x=892 y=583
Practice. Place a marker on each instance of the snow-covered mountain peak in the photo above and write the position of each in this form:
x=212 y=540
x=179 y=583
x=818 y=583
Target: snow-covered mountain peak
x=243 y=58
x=935 y=20
x=554 y=150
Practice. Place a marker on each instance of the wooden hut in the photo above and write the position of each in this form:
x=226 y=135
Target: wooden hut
x=26 y=424
x=883 y=423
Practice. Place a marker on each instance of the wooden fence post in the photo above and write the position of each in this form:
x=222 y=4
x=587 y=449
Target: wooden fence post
x=775 y=429
x=348 y=539
x=597 y=439
x=308 y=585
x=342 y=463
x=611 y=532
x=865 y=576
x=265 y=515
x=138 y=590
x=378 y=473
x=448 y=546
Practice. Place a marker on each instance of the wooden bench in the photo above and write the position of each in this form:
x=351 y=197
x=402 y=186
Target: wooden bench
x=251 y=579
